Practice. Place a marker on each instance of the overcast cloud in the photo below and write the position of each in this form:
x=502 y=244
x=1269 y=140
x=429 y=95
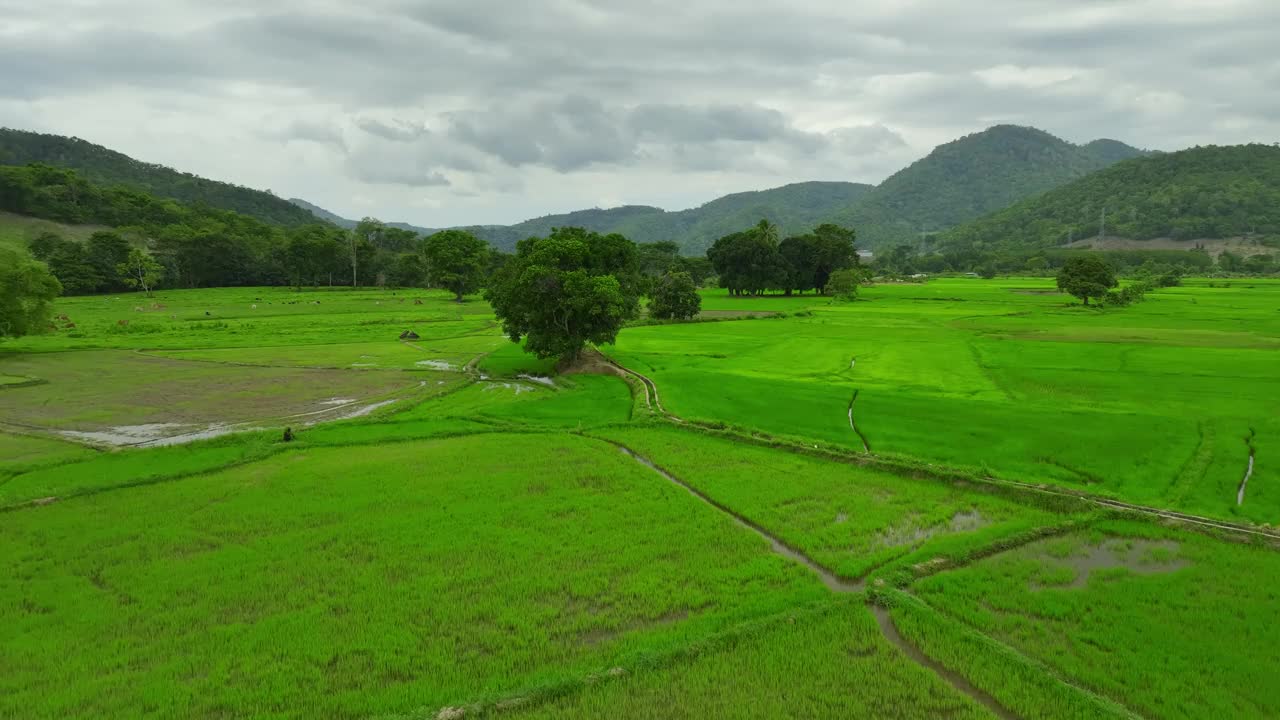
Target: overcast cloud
x=444 y=112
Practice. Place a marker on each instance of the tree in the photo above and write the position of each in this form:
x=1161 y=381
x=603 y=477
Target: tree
x=408 y=270
x=833 y=249
x=801 y=261
x=140 y=270
x=1086 y=276
x=749 y=262
x=843 y=284
x=369 y=231
x=675 y=297
x=560 y=292
x=655 y=259
x=456 y=261
x=27 y=290
x=106 y=251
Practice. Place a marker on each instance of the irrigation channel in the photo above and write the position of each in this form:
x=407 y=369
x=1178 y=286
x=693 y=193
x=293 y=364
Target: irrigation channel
x=835 y=584
x=1199 y=520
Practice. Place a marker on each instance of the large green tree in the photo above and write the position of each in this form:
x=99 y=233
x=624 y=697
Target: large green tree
x=563 y=291
x=674 y=297
x=1086 y=276
x=456 y=261
x=27 y=290
x=750 y=262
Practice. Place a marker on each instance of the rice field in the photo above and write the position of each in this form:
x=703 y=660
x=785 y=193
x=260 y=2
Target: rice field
x=895 y=507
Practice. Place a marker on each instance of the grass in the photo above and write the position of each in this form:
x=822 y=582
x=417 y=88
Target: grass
x=480 y=539
x=829 y=663
x=848 y=518
x=981 y=375
x=367 y=583
x=1172 y=624
x=16 y=231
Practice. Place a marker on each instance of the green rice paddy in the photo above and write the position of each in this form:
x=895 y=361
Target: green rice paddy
x=455 y=530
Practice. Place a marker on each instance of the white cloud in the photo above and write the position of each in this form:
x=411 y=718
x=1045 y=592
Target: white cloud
x=478 y=111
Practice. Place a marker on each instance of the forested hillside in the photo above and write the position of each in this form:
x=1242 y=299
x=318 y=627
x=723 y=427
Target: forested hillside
x=970 y=177
x=1201 y=193
x=795 y=209
x=108 y=167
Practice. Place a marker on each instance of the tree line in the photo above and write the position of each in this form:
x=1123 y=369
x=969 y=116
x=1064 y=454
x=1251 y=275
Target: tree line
x=755 y=261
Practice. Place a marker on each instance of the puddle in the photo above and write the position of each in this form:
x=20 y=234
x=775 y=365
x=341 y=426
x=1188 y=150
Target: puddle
x=364 y=364
x=966 y=520
x=833 y=582
x=352 y=413
x=910 y=534
x=151 y=435
x=1138 y=556
x=437 y=365
x=517 y=387
x=125 y=434
x=539 y=379
x=955 y=679
x=337 y=401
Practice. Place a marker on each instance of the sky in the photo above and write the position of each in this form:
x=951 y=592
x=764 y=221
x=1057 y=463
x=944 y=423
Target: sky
x=451 y=112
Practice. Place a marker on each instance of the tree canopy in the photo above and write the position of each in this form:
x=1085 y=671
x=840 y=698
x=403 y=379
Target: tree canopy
x=675 y=297
x=109 y=168
x=753 y=261
x=27 y=290
x=1085 y=277
x=455 y=261
x=568 y=289
x=1201 y=193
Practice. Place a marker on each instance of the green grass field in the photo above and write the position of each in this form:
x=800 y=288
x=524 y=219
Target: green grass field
x=456 y=531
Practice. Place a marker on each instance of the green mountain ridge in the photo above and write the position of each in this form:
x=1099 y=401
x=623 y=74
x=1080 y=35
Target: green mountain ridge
x=107 y=167
x=1202 y=193
x=970 y=177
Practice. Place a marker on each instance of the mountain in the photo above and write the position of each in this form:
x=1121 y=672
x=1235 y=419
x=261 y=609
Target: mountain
x=106 y=167
x=970 y=177
x=322 y=214
x=794 y=208
x=1198 y=194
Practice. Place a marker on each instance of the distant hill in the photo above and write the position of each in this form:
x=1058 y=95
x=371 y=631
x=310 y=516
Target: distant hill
x=970 y=177
x=1203 y=193
x=794 y=208
x=108 y=167
x=323 y=214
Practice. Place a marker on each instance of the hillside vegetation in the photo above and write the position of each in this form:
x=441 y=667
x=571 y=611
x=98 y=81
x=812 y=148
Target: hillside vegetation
x=795 y=209
x=970 y=177
x=108 y=167
x=1203 y=193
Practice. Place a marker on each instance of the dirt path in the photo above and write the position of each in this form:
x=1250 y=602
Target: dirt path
x=833 y=582
x=953 y=678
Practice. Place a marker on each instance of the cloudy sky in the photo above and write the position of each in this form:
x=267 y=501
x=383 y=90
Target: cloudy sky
x=442 y=112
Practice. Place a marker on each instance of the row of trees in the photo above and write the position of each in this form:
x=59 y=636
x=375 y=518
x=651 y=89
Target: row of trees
x=754 y=261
